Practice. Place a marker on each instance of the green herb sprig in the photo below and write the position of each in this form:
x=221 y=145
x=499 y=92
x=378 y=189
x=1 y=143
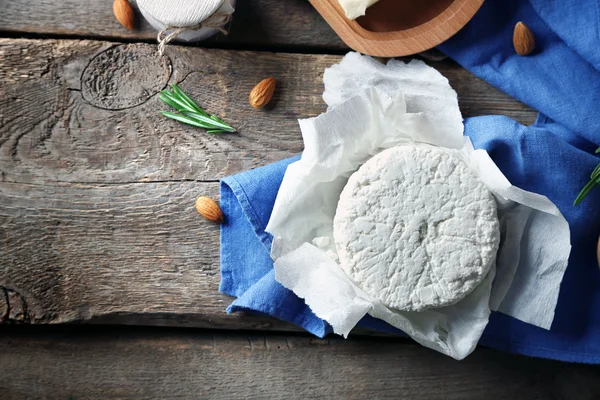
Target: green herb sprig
x=190 y=113
x=594 y=180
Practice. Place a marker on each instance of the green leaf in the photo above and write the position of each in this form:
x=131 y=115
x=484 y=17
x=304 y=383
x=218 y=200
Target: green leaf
x=189 y=112
x=168 y=101
x=594 y=180
x=585 y=191
x=185 y=120
x=210 y=121
x=179 y=104
x=188 y=100
x=595 y=172
x=218 y=119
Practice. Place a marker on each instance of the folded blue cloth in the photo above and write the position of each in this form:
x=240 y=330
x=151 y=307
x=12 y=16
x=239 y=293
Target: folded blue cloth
x=553 y=157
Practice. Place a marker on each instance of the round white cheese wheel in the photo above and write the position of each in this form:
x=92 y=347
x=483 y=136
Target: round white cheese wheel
x=416 y=228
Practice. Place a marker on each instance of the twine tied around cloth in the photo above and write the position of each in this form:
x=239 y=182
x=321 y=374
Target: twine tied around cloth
x=216 y=21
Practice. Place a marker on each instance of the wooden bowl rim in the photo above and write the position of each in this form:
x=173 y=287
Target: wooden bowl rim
x=398 y=43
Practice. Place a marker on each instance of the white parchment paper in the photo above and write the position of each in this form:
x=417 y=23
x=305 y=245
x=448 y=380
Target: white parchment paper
x=373 y=107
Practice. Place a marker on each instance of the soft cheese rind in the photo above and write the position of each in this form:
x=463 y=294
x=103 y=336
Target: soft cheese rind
x=416 y=228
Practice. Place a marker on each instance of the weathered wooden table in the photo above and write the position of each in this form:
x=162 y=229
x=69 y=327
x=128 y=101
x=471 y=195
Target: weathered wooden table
x=97 y=219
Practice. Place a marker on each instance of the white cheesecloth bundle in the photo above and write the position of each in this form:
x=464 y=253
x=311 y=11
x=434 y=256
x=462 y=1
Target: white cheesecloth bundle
x=186 y=19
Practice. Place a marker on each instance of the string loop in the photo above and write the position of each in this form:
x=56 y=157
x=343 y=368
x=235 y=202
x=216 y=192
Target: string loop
x=216 y=21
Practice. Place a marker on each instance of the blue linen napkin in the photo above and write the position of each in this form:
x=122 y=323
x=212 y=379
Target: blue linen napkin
x=553 y=157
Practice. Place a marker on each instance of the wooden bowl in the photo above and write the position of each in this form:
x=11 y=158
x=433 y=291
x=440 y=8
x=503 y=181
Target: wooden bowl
x=393 y=28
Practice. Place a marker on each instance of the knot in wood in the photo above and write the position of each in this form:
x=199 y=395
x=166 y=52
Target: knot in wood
x=124 y=76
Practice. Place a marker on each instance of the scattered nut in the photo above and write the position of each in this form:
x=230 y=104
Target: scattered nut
x=124 y=13
x=523 y=39
x=209 y=209
x=262 y=93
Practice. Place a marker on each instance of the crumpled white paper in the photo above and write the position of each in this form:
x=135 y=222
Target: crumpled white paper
x=373 y=107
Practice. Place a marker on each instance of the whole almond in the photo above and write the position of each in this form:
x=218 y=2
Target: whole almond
x=209 y=209
x=262 y=93
x=523 y=39
x=124 y=13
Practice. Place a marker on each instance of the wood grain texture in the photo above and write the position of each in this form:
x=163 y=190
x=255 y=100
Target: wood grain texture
x=86 y=111
x=97 y=190
x=168 y=364
x=134 y=253
x=259 y=23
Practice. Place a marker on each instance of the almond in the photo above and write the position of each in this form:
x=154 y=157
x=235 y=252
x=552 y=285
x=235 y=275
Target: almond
x=523 y=39
x=124 y=13
x=209 y=209
x=262 y=93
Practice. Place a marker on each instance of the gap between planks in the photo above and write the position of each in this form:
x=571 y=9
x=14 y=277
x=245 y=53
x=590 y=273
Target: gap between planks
x=97 y=363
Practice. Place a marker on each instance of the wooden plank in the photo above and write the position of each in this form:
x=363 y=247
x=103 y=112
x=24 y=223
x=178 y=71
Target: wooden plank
x=85 y=111
x=161 y=364
x=78 y=111
x=256 y=23
x=133 y=253
x=97 y=189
